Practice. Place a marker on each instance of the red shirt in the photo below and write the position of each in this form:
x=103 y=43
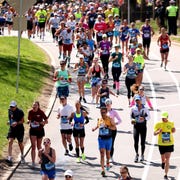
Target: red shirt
x=100 y=26
x=164 y=42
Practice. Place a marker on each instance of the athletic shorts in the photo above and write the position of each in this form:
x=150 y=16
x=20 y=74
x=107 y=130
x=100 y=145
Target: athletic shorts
x=60 y=43
x=78 y=132
x=95 y=82
x=165 y=149
x=16 y=134
x=63 y=91
x=51 y=173
x=164 y=50
x=66 y=131
x=9 y=23
x=116 y=33
x=41 y=25
x=29 y=25
x=146 y=42
x=67 y=47
x=2 y=22
x=38 y=133
x=98 y=38
x=105 y=143
x=110 y=34
x=81 y=79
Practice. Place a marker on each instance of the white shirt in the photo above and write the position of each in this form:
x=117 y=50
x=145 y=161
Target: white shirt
x=67 y=37
x=64 y=112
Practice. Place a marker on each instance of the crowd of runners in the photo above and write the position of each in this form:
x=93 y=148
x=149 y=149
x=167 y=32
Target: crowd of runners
x=102 y=41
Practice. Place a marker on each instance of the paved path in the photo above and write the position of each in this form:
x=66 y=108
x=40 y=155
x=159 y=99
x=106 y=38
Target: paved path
x=163 y=89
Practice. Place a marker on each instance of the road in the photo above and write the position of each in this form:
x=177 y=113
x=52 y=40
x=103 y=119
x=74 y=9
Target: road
x=163 y=87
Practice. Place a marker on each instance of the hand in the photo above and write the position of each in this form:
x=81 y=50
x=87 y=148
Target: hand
x=141 y=118
x=159 y=131
x=14 y=124
x=133 y=121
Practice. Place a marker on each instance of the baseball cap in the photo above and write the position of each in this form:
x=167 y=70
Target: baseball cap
x=62 y=97
x=138 y=49
x=164 y=114
x=108 y=101
x=137 y=97
x=81 y=56
x=13 y=104
x=104 y=36
x=100 y=9
x=117 y=45
x=171 y=1
x=68 y=173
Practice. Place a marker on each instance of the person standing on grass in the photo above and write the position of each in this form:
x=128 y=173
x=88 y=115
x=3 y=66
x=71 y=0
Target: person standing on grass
x=37 y=120
x=16 y=130
x=165 y=129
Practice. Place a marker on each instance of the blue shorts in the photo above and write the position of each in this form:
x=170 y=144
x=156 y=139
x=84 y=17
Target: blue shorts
x=105 y=143
x=51 y=173
x=116 y=33
x=63 y=91
x=95 y=82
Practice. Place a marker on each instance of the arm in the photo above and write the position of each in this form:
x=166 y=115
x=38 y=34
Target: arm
x=149 y=103
x=118 y=118
x=93 y=129
x=113 y=93
x=53 y=158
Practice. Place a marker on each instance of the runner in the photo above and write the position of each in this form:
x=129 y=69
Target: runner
x=110 y=28
x=47 y=157
x=117 y=24
x=116 y=58
x=37 y=120
x=105 y=124
x=95 y=72
x=139 y=115
x=62 y=79
x=130 y=69
x=115 y=116
x=103 y=93
x=165 y=130
x=165 y=43
x=105 y=46
x=9 y=20
x=82 y=68
x=16 y=130
x=79 y=117
x=133 y=32
x=139 y=60
x=147 y=32
x=64 y=112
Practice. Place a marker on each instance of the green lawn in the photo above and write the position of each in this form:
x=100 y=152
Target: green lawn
x=33 y=71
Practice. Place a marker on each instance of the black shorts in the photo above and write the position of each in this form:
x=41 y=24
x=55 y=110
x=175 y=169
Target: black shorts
x=2 y=22
x=98 y=38
x=66 y=131
x=29 y=25
x=165 y=149
x=164 y=50
x=9 y=23
x=60 y=43
x=38 y=133
x=78 y=132
x=41 y=25
x=16 y=133
x=146 y=42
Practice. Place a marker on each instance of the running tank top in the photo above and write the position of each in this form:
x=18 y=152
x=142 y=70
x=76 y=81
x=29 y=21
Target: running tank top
x=146 y=32
x=78 y=119
x=96 y=73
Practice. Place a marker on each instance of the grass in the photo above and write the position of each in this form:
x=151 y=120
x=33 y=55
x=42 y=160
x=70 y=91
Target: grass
x=33 y=71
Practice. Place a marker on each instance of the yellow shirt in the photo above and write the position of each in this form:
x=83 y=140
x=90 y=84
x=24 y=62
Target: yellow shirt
x=165 y=138
x=106 y=121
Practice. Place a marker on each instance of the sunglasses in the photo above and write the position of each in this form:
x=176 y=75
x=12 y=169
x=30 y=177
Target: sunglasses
x=123 y=172
x=142 y=89
x=68 y=176
x=46 y=142
x=62 y=64
x=12 y=106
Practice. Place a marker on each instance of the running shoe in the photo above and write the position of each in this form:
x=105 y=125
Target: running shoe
x=70 y=147
x=136 y=158
x=161 y=65
x=163 y=165
x=22 y=160
x=9 y=162
x=166 y=177
x=103 y=174
x=142 y=158
x=108 y=167
x=80 y=98
x=78 y=160
x=66 y=152
x=87 y=86
x=117 y=92
x=83 y=157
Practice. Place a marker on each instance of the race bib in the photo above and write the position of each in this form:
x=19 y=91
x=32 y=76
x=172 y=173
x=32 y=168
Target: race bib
x=165 y=137
x=67 y=41
x=49 y=166
x=146 y=35
x=64 y=120
x=116 y=64
x=33 y=125
x=165 y=46
x=110 y=33
x=78 y=126
x=99 y=34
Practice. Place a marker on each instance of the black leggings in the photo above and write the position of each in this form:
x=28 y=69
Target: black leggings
x=129 y=83
x=114 y=132
x=116 y=72
x=105 y=62
x=53 y=30
x=139 y=130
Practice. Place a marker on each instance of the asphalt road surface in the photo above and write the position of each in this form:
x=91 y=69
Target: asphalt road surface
x=163 y=88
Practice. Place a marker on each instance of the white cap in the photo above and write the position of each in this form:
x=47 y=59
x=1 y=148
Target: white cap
x=13 y=104
x=68 y=173
x=108 y=101
x=81 y=56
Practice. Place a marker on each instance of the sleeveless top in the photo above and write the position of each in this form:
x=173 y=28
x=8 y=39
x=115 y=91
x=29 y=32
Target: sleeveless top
x=95 y=73
x=164 y=42
x=82 y=70
x=78 y=119
x=45 y=160
x=146 y=32
x=64 y=74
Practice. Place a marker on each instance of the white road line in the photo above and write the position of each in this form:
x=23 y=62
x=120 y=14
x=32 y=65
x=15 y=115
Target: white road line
x=146 y=169
x=178 y=177
x=174 y=158
x=171 y=105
